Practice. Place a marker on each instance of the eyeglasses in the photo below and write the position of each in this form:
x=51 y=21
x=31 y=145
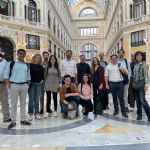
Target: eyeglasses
x=21 y=53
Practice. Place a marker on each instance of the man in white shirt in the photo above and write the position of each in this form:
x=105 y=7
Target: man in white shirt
x=114 y=82
x=3 y=90
x=124 y=61
x=68 y=67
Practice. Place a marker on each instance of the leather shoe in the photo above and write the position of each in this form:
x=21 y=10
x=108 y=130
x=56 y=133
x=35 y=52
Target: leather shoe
x=8 y=120
x=127 y=109
x=125 y=115
x=139 y=118
x=26 y=123
x=13 y=124
x=115 y=113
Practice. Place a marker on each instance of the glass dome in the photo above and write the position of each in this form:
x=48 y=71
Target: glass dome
x=73 y=3
x=88 y=12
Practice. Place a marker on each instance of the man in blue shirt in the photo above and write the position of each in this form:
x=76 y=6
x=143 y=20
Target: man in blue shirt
x=3 y=89
x=18 y=79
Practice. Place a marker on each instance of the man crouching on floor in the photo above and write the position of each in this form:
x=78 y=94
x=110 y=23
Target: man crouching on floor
x=68 y=94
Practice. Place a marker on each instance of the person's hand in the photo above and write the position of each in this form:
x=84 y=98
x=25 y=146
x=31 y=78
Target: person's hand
x=145 y=88
x=8 y=84
x=107 y=86
x=70 y=107
x=101 y=86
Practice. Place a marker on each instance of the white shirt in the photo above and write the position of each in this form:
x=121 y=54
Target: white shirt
x=68 y=67
x=3 y=64
x=113 y=73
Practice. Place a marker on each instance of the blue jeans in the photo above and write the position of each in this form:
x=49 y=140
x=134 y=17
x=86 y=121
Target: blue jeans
x=34 y=95
x=117 y=91
x=141 y=102
x=64 y=108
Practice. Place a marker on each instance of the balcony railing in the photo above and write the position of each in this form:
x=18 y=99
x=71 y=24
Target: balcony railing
x=19 y=21
x=34 y=47
x=137 y=20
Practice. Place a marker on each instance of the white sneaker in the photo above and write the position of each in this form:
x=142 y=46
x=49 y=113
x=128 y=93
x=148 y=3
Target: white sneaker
x=38 y=116
x=46 y=115
x=30 y=117
x=55 y=114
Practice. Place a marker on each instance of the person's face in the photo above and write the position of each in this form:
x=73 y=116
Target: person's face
x=121 y=54
x=95 y=61
x=68 y=81
x=37 y=59
x=101 y=56
x=45 y=57
x=139 y=57
x=53 y=60
x=114 y=60
x=85 y=79
x=21 y=55
x=68 y=55
x=82 y=58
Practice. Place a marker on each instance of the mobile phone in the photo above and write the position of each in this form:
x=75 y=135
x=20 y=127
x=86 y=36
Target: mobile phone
x=119 y=64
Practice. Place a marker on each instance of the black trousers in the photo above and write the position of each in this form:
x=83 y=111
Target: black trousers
x=87 y=104
x=48 y=104
x=131 y=95
x=104 y=98
x=117 y=91
x=97 y=100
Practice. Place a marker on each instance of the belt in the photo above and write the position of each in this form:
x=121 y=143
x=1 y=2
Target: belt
x=116 y=82
x=19 y=83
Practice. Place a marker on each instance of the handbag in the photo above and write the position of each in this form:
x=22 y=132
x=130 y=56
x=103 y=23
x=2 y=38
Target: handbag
x=139 y=84
x=124 y=76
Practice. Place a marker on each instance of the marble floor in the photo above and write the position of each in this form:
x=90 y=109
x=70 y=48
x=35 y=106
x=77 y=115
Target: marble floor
x=55 y=133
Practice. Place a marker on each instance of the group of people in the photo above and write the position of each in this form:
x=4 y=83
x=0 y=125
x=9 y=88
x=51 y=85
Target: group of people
x=80 y=83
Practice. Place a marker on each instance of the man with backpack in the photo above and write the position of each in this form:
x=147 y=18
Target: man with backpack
x=3 y=89
x=124 y=62
x=114 y=82
x=17 y=76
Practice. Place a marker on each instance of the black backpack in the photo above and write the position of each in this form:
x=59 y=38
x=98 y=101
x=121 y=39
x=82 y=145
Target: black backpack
x=125 y=76
x=12 y=65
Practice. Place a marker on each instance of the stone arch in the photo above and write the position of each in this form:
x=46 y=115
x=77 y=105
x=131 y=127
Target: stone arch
x=90 y=51
x=8 y=45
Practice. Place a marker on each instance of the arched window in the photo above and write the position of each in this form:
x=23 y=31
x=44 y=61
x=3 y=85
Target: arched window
x=138 y=8
x=7 y=8
x=88 y=12
x=32 y=11
x=89 y=50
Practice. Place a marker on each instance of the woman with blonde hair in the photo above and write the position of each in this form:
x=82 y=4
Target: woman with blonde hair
x=37 y=77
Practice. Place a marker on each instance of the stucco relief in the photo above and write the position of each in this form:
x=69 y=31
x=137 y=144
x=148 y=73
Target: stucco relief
x=8 y=33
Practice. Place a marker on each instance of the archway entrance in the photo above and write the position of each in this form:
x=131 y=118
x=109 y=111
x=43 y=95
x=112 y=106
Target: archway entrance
x=89 y=50
x=7 y=47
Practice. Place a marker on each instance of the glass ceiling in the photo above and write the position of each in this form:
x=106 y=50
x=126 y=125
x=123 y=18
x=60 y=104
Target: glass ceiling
x=72 y=3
